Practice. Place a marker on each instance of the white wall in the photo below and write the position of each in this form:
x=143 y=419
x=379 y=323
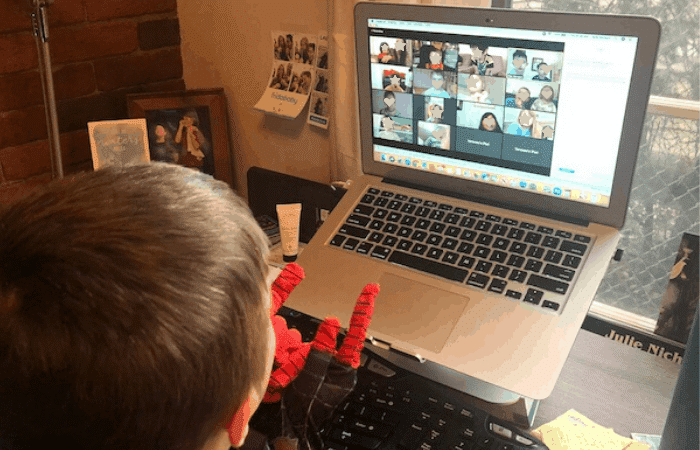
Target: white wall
x=227 y=43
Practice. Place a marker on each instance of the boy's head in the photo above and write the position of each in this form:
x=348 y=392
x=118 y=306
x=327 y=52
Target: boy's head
x=519 y=59
x=437 y=80
x=132 y=312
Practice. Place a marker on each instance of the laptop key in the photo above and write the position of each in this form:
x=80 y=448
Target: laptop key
x=380 y=252
x=419 y=249
x=401 y=197
x=516 y=233
x=573 y=247
x=353 y=231
x=563 y=234
x=511 y=222
x=550 y=242
x=452 y=231
x=518 y=247
x=465 y=248
x=460 y=210
x=452 y=219
x=355 y=219
x=498 y=285
x=449 y=243
x=381 y=202
x=535 y=252
x=434 y=239
x=483 y=266
x=533 y=265
x=528 y=225
x=571 y=261
x=434 y=253
x=390 y=228
x=550 y=304
x=364 y=248
x=498 y=256
x=500 y=271
x=483 y=225
x=437 y=227
x=390 y=241
x=394 y=205
x=545 y=230
x=376 y=225
x=445 y=207
x=375 y=237
x=582 y=239
x=468 y=235
x=514 y=294
x=518 y=276
x=393 y=217
x=373 y=191
x=450 y=257
x=501 y=243
x=415 y=200
x=477 y=214
x=408 y=208
x=422 y=211
x=404 y=245
x=553 y=256
x=437 y=214
x=419 y=236
x=380 y=213
x=404 y=232
x=515 y=261
x=423 y=224
x=533 y=238
x=533 y=296
x=350 y=244
x=561 y=273
x=467 y=262
x=484 y=239
x=430 y=204
x=493 y=218
x=499 y=230
x=467 y=222
x=408 y=220
x=548 y=284
x=478 y=280
x=337 y=240
x=355 y=439
x=365 y=210
x=482 y=252
x=387 y=194
x=428 y=266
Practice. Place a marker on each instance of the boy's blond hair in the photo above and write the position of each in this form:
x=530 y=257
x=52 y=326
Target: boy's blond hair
x=131 y=311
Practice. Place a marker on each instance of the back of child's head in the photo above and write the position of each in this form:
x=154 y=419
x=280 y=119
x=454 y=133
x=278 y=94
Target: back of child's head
x=131 y=311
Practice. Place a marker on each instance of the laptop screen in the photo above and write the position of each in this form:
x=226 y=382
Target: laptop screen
x=533 y=110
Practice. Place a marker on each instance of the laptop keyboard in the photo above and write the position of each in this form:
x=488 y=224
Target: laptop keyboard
x=394 y=409
x=520 y=260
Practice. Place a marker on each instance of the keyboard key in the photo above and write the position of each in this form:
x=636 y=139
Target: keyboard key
x=498 y=256
x=393 y=217
x=337 y=240
x=571 y=261
x=419 y=236
x=545 y=230
x=445 y=207
x=465 y=248
x=353 y=231
x=483 y=225
x=497 y=285
x=430 y=204
x=467 y=222
x=582 y=239
x=390 y=241
x=500 y=271
x=375 y=237
x=499 y=230
x=376 y=225
x=408 y=208
x=350 y=244
x=419 y=249
x=452 y=231
x=422 y=211
x=380 y=213
x=450 y=257
x=452 y=218
x=551 y=305
x=511 y=222
x=387 y=194
x=483 y=266
x=423 y=224
x=560 y=273
x=415 y=200
x=425 y=265
x=412 y=436
x=518 y=247
x=404 y=245
x=355 y=439
x=380 y=252
x=573 y=247
x=533 y=296
x=408 y=220
x=533 y=238
x=515 y=261
x=553 y=256
x=518 y=276
x=355 y=219
x=381 y=202
x=449 y=243
x=404 y=232
x=516 y=233
x=501 y=243
x=477 y=214
x=482 y=252
x=468 y=235
x=437 y=214
x=365 y=210
x=390 y=228
x=394 y=205
x=493 y=218
x=437 y=227
x=467 y=262
x=460 y=211
x=373 y=191
x=527 y=226
x=434 y=253
x=533 y=265
x=364 y=248
x=563 y=234
x=548 y=284
x=478 y=280
x=514 y=294
x=550 y=242
x=367 y=198
x=484 y=239
x=535 y=252
x=434 y=239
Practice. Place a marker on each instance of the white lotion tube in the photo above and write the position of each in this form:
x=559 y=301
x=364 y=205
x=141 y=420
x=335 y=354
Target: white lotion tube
x=289 y=218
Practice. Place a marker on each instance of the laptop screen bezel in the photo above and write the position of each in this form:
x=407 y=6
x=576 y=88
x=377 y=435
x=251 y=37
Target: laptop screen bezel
x=646 y=29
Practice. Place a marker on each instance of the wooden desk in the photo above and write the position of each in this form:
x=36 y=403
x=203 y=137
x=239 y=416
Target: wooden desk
x=614 y=385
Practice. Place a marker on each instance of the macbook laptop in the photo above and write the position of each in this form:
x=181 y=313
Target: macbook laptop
x=498 y=148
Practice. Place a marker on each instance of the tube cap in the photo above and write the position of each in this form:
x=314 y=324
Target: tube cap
x=290 y=258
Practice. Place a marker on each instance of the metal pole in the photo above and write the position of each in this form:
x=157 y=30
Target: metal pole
x=41 y=35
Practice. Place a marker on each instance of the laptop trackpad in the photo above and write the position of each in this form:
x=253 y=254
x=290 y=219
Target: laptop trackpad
x=416 y=313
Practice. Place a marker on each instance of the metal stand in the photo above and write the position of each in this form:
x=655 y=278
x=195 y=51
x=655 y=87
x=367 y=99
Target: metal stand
x=41 y=35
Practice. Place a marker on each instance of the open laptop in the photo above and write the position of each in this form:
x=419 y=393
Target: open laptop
x=498 y=149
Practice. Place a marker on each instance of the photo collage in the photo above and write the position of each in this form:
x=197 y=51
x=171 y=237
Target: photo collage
x=485 y=101
x=301 y=66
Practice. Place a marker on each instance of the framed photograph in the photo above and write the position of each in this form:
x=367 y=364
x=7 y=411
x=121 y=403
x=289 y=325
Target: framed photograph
x=536 y=62
x=189 y=128
x=118 y=142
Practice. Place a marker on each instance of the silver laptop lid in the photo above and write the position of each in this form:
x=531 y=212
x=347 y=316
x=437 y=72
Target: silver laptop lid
x=530 y=110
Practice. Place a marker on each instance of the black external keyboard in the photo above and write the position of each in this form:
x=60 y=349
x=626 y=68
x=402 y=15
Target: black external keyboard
x=517 y=259
x=393 y=409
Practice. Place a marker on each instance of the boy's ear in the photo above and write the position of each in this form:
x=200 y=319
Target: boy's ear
x=238 y=427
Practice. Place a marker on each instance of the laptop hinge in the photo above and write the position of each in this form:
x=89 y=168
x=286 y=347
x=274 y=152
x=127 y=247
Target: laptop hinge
x=489 y=202
x=395 y=349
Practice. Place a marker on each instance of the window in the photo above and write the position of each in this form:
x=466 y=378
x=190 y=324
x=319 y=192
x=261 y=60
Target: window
x=665 y=195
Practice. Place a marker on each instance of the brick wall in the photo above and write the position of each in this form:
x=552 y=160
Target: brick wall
x=101 y=50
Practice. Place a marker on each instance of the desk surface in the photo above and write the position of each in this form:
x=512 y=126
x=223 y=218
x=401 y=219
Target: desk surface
x=614 y=385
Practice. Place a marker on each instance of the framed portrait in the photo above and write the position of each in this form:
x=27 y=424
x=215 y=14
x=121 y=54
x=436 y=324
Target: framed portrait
x=189 y=128
x=118 y=142
x=536 y=62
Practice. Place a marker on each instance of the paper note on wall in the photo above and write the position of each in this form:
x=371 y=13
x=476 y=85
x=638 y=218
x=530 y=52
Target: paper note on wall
x=319 y=108
x=292 y=76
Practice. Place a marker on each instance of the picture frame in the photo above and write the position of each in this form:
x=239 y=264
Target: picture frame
x=189 y=128
x=536 y=62
x=118 y=142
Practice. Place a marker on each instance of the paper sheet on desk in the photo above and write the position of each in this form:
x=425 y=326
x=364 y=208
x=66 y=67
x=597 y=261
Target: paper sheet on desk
x=574 y=431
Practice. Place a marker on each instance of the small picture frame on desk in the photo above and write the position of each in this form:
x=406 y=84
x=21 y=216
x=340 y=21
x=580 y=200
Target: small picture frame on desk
x=118 y=142
x=188 y=128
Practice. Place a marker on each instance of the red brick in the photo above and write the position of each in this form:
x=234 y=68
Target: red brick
x=18 y=53
x=12 y=192
x=93 y=41
x=65 y=12
x=111 y=9
x=25 y=161
x=20 y=90
x=15 y=16
x=150 y=67
x=22 y=126
x=75 y=80
x=159 y=33
x=74 y=114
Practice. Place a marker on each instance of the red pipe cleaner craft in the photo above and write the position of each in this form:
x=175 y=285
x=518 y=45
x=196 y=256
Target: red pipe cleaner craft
x=310 y=379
